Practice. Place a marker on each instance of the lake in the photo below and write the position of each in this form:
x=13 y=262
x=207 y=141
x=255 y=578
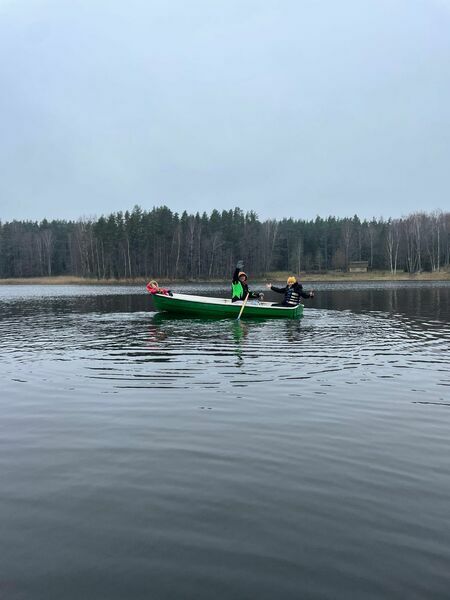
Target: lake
x=147 y=456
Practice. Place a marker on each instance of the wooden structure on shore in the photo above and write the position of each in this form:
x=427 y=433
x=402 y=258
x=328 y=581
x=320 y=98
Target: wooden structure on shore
x=358 y=266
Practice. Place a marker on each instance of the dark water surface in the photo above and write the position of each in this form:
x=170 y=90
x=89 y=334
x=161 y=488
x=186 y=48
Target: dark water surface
x=143 y=456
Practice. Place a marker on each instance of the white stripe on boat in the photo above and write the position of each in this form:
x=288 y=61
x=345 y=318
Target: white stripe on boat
x=223 y=301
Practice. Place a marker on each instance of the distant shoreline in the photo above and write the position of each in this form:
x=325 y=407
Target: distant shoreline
x=269 y=277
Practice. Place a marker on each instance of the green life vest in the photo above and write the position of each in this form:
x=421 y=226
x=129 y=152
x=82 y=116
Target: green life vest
x=237 y=291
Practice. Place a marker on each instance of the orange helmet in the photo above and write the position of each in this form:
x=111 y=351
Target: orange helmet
x=241 y=273
x=291 y=280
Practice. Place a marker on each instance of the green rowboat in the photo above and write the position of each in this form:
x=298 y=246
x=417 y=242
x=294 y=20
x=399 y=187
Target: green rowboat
x=201 y=306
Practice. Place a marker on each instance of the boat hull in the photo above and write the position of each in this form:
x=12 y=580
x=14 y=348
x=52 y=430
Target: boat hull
x=202 y=306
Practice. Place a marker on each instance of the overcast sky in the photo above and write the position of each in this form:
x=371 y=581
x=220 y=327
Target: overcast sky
x=289 y=108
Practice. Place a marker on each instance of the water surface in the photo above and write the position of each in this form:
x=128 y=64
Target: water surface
x=146 y=456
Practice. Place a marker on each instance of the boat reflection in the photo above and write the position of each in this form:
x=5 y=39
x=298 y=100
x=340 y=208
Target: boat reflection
x=239 y=332
x=221 y=335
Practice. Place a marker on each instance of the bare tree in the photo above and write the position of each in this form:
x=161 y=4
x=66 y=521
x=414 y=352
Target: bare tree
x=271 y=231
x=392 y=244
x=433 y=225
x=372 y=231
x=347 y=234
x=216 y=244
x=47 y=241
x=299 y=253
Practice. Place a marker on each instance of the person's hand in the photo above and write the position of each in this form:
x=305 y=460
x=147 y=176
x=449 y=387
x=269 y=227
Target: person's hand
x=240 y=264
x=268 y=285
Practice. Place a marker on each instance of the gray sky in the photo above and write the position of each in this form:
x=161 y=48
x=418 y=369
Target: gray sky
x=289 y=108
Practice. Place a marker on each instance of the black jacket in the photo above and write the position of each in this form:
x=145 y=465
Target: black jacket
x=292 y=293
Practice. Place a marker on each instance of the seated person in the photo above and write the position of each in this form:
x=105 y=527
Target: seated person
x=293 y=291
x=239 y=287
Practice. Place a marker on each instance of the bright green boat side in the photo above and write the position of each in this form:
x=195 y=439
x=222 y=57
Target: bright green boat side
x=202 y=306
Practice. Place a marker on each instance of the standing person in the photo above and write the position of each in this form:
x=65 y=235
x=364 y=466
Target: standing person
x=239 y=286
x=293 y=291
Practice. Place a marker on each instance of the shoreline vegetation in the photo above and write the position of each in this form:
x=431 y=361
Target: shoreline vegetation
x=275 y=276
x=127 y=247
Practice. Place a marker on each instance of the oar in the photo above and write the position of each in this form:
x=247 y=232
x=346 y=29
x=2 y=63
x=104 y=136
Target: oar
x=243 y=306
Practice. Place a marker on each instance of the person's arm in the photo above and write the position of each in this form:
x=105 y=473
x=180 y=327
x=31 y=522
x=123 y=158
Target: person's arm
x=239 y=267
x=306 y=294
x=279 y=290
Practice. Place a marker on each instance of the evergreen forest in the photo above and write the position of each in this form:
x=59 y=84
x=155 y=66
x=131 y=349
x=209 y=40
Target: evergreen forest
x=164 y=244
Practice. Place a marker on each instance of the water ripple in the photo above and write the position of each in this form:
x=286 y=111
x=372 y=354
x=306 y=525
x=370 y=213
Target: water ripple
x=142 y=455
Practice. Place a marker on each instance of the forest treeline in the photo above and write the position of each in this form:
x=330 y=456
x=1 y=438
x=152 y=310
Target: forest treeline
x=161 y=243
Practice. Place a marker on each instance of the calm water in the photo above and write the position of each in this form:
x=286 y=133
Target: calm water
x=151 y=457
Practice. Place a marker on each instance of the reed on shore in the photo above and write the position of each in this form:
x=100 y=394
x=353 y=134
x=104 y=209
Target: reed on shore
x=272 y=276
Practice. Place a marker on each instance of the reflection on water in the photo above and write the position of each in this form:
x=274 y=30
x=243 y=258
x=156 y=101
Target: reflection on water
x=146 y=455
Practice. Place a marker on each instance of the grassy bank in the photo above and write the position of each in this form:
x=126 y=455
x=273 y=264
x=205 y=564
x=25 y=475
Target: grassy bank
x=69 y=280
x=369 y=276
x=276 y=276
